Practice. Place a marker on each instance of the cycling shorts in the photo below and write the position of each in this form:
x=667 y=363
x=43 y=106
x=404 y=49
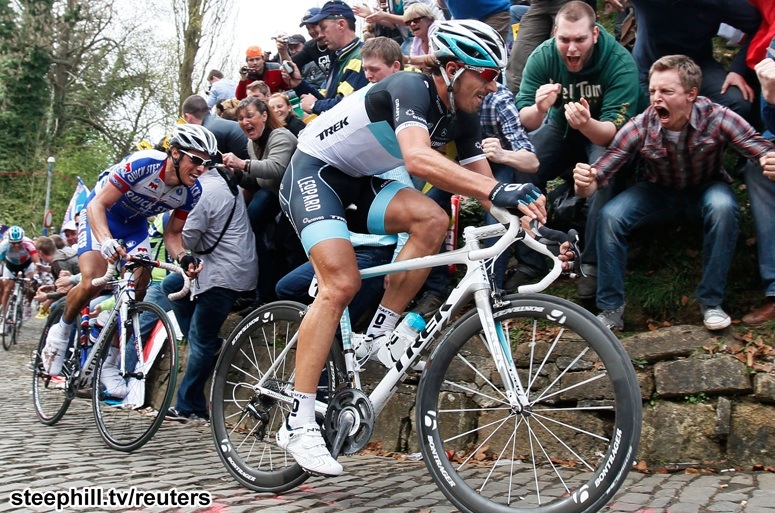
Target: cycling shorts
x=134 y=233
x=10 y=270
x=324 y=203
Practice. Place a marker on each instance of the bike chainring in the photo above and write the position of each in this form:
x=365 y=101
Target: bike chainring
x=354 y=402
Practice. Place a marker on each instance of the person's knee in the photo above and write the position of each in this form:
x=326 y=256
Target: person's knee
x=431 y=227
x=339 y=288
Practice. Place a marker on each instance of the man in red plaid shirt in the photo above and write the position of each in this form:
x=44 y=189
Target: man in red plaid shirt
x=681 y=140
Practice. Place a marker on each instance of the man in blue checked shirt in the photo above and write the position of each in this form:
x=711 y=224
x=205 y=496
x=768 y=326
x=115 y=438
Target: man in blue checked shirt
x=511 y=154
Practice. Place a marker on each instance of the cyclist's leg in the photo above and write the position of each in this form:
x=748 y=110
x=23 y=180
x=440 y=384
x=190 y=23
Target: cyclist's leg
x=312 y=196
x=426 y=223
x=7 y=287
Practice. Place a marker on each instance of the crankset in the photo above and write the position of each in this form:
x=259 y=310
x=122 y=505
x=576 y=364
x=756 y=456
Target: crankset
x=349 y=421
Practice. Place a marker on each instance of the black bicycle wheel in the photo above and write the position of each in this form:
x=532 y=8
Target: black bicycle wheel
x=569 y=450
x=9 y=326
x=244 y=422
x=129 y=409
x=50 y=394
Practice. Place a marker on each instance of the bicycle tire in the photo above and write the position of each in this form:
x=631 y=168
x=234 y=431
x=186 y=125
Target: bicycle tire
x=129 y=422
x=8 y=331
x=245 y=444
x=584 y=399
x=49 y=394
x=18 y=320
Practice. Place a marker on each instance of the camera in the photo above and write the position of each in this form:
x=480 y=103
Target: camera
x=287 y=67
x=249 y=72
x=283 y=39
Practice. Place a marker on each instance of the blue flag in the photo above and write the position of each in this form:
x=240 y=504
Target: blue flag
x=77 y=202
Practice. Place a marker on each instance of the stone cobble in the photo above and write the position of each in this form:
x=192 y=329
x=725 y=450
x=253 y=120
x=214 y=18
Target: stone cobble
x=72 y=454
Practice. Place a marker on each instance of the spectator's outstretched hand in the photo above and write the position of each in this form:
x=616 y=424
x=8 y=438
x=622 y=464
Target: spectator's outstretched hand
x=768 y=165
x=585 y=179
x=361 y=10
x=546 y=96
x=737 y=80
x=577 y=114
x=765 y=71
x=232 y=161
x=493 y=150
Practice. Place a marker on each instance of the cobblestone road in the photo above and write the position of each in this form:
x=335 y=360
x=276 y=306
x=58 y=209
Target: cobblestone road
x=71 y=454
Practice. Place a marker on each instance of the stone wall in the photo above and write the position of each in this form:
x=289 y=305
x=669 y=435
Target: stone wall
x=697 y=408
x=700 y=405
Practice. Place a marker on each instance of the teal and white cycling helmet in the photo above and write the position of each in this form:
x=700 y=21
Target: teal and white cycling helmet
x=15 y=234
x=469 y=41
x=194 y=137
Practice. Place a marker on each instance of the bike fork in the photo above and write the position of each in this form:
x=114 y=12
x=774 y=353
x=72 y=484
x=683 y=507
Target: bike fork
x=497 y=340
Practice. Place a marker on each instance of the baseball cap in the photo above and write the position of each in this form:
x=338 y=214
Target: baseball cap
x=70 y=225
x=253 y=51
x=313 y=11
x=334 y=9
x=296 y=39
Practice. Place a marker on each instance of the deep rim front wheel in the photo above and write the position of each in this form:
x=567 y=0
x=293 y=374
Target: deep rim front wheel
x=568 y=449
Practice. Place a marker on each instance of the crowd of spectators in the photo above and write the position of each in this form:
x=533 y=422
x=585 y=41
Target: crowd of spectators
x=640 y=136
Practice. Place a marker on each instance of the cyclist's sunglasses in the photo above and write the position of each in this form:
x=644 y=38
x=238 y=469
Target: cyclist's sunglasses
x=487 y=74
x=197 y=160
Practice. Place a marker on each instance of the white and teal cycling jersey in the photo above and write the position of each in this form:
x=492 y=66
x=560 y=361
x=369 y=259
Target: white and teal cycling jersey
x=358 y=137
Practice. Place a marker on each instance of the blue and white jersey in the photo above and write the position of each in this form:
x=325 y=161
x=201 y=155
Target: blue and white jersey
x=358 y=136
x=140 y=178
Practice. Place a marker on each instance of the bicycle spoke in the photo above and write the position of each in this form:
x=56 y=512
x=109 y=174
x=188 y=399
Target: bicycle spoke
x=536 y=456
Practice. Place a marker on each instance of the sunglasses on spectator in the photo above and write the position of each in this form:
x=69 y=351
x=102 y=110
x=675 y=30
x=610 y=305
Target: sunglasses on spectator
x=197 y=160
x=416 y=20
x=486 y=74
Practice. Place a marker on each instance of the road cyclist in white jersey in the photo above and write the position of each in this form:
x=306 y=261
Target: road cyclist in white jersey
x=330 y=185
x=18 y=254
x=142 y=185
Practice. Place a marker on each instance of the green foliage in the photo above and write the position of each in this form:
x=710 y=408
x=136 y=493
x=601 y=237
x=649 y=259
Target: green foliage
x=697 y=398
x=24 y=63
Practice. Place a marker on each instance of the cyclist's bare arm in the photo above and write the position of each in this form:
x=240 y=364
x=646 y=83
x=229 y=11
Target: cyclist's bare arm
x=426 y=163
x=96 y=210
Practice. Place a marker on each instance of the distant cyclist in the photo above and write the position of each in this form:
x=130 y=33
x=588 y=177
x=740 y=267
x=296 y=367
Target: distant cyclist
x=330 y=188
x=144 y=184
x=19 y=254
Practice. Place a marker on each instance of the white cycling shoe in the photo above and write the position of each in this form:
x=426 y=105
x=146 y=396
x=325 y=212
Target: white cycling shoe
x=306 y=445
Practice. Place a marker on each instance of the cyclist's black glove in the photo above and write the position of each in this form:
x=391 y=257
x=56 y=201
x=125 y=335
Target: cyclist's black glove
x=188 y=260
x=511 y=195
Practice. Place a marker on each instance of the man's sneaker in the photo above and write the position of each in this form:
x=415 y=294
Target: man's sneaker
x=110 y=377
x=193 y=418
x=586 y=287
x=714 y=318
x=55 y=349
x=522 y=276
x=428 y=304
x=613 y=319
x=308 y=448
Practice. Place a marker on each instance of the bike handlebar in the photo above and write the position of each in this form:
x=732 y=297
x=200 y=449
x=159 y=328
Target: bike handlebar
x=513 y=231
x=99 y=282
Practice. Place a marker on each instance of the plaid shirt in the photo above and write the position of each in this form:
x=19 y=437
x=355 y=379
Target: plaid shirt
x=499 y=117
x=698 y=155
